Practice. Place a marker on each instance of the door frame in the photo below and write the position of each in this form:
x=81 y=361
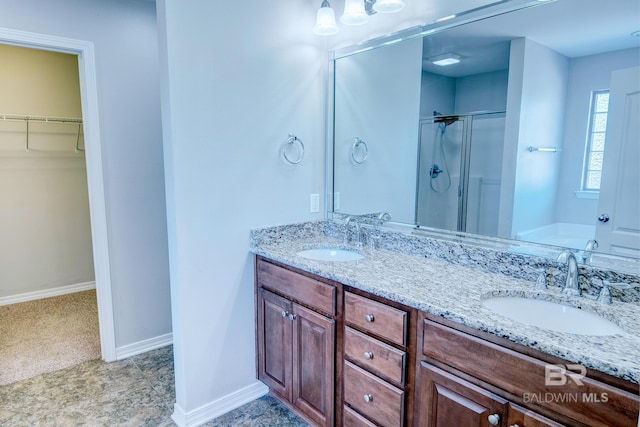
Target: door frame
x=93 y=157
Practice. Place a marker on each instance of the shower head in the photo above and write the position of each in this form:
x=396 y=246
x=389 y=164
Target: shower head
x=447 y=120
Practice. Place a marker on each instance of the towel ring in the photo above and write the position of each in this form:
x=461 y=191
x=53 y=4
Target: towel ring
x=358 y=142
x=290 y=143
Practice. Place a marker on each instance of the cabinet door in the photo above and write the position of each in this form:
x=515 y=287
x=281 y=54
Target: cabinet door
x=313 y=365
x=446 y=400
x=521 y=417
x=274 y=330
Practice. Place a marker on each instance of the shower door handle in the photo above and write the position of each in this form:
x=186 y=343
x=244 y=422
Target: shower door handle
x=603 y=218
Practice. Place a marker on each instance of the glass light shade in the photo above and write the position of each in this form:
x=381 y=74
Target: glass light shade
x=354 y=13
x=388 y=6
x=325 y=22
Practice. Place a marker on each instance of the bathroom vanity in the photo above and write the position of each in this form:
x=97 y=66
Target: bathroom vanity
x=400 y=337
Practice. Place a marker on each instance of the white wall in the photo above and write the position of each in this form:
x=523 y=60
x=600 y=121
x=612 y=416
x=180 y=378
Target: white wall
x=481 y=92
x=386 y=118
x=125 y=37
x=45 y=234
x=535 y=116
x=237 y=78
x=586 y=74
x=437 y=93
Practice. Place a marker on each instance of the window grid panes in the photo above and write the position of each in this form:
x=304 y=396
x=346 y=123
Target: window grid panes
x=595 y=141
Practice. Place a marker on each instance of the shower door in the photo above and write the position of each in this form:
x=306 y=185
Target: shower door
x=441 y=163
x=459 y=172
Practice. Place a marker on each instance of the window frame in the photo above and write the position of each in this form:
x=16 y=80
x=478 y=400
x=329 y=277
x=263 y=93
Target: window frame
x=589 y=141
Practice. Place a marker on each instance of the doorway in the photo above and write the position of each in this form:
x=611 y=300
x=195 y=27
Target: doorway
x=93 y=155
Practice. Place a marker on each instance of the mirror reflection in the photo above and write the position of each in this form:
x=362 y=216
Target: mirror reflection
x=521 y=126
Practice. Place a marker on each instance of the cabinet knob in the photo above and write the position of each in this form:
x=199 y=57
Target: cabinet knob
x=514 y=425
x=368 y=398
x=285 y=313
x=369 y=318
x=368 y=355
x=494 y=419
x=292 y=316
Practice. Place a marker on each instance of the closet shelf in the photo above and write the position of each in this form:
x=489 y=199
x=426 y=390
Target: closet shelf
x=45 y=119
x=15 y=117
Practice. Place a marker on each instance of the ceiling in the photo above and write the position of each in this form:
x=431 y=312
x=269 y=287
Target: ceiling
x=573 y=28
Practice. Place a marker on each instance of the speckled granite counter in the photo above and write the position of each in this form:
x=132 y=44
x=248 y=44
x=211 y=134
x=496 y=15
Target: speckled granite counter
x=451 y=280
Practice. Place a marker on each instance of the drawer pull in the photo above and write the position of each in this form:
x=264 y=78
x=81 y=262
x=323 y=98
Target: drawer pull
x=514 y=425
x=285 y=313
x=494 y=419
x=369 y=318
x=368 y=398
x=368 y=355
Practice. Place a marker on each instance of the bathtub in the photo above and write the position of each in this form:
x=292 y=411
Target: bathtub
x=563 y=234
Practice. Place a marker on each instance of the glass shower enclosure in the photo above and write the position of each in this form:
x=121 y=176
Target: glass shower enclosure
x=459 y=172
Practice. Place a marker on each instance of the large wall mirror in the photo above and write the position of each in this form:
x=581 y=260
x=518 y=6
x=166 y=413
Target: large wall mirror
x=523 y=125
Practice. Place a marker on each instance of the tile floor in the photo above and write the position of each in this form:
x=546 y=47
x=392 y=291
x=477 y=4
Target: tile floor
x=138 y=391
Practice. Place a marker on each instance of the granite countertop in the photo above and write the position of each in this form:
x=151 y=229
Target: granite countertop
x=455 y=292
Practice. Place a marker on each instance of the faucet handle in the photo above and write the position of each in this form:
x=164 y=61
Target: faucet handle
x=620 y=285
x=541 y=280
x=604 y=296
x=605 y=293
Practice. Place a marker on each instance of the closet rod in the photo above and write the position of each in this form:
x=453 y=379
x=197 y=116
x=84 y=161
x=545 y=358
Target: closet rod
x=47 y=119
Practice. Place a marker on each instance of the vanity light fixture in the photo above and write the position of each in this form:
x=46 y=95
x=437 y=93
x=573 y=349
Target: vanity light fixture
x=325 y=20
x=356 y=12
x=445 y=59
x=388 y=6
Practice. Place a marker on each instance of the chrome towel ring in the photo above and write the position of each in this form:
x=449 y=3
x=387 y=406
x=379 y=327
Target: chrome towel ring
x=290 y=145
x=359 y=159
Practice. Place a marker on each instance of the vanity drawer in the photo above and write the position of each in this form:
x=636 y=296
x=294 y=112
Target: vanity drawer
x=306 y=290
x=519 y=373
x=375 y=317
x=376 y=356
x=373 y=397
x=351 y=418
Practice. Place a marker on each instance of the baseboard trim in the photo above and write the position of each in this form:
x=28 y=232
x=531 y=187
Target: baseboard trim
x=218 y=407
x=47 y=293
x=143 y=346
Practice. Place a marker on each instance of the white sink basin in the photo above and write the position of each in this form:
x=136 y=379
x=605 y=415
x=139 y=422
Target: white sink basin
x=553 y=316
x=330 y=254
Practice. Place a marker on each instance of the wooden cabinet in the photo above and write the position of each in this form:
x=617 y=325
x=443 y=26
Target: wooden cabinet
x=295 y=344
x=275 y=351
x=340 y=356
x=375 y=362
x=465 y=375
x=521 y=417
x=447 y=400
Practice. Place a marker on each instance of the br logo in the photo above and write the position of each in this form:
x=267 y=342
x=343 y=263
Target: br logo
x=557 y=375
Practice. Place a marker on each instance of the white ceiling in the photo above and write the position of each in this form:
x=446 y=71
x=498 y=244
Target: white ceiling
x=573 y=28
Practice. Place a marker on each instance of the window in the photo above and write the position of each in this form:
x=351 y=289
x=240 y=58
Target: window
x=595 y=141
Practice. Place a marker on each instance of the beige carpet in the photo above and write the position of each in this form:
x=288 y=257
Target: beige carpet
x=47 y=335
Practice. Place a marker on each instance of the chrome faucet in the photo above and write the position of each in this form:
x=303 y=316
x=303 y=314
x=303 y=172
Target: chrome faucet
x=591 y=246
x=358 y=234
x=571 y=285
x=381 y=219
